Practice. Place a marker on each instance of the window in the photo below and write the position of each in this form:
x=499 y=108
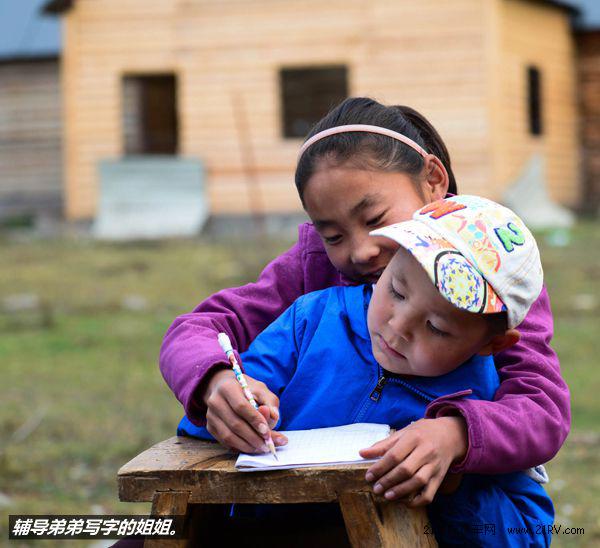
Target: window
x=534 y=85
x=150 y=114
x=307 y=94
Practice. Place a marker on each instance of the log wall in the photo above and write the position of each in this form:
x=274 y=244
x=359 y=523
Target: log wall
x=439 y=57
x=530 y=34
x=589 y=95
x=30 y=137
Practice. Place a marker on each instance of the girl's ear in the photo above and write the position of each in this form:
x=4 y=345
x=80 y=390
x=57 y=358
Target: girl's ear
x=501 y=342
x=437 y=180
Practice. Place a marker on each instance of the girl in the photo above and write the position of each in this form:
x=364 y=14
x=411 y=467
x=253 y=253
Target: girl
x=351 y=183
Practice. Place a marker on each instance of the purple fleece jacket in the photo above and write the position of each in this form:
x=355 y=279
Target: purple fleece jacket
x=524 y=426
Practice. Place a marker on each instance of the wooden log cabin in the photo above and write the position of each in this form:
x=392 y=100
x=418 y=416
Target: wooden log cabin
x=30 y=114
x=237 y=84
x=587 y=39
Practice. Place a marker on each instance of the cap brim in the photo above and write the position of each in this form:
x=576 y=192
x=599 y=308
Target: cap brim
x=456 y=278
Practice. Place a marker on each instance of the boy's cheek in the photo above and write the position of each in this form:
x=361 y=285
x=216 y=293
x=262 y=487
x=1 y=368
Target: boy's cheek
x=378 y=355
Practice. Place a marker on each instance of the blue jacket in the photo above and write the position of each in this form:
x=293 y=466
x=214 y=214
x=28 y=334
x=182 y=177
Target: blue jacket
x=317 y=358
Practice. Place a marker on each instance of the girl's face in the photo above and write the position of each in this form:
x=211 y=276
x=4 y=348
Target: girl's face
x=346 y=203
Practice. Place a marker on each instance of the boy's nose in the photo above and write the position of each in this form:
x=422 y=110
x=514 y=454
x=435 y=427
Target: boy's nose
x=401 y=325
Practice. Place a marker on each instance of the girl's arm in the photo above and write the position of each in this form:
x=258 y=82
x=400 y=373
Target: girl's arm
x=272 y=358
x=190 y=353
x=530 y=416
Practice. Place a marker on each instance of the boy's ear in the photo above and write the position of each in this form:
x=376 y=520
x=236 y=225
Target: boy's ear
x=437 y=180
x=501 y=342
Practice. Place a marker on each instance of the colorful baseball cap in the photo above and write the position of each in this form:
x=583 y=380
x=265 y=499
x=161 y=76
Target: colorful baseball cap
x=479 y=254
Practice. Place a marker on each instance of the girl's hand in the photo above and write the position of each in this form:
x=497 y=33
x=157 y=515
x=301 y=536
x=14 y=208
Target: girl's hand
x=415 y=459
x=233 y=421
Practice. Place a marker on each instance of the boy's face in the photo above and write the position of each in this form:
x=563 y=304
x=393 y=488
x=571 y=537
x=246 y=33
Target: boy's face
x=416 y=331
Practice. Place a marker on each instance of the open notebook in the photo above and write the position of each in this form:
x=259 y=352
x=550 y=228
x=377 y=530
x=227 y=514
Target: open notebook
x=337 y=445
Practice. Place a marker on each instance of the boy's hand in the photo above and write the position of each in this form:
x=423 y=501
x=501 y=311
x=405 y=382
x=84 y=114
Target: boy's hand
x=415 y=459
x=232 y=420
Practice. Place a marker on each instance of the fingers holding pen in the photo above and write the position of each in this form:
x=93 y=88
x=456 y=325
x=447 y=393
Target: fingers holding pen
x=219 y=430
x=272 y=416
x=250 y=389
x=231 y=429
x=263 y=419
x=265 y=398
x=234 y=422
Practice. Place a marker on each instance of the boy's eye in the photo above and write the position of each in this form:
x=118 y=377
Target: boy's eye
x=375 y=220
x=436 y=331
x=395 y=293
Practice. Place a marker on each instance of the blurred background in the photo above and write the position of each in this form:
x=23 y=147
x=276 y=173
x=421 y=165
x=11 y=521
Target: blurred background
x=147 y=152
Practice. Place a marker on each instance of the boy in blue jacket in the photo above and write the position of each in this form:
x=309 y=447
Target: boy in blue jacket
x=465 y=274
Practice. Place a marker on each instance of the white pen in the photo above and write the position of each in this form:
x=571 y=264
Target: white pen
x=228 y=349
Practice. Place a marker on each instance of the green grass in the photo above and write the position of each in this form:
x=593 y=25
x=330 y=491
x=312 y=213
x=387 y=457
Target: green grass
x=573 y=279
x=81 y=391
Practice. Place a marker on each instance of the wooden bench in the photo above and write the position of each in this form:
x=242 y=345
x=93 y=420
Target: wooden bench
x=185 y=476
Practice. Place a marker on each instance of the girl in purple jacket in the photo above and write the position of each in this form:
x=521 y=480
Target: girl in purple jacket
x=352 y=181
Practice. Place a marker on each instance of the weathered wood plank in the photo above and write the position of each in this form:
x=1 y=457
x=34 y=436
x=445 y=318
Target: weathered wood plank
x=207 y=470
x=169 y=503
x=176 y=453
x=185 y=476
x=374 y=523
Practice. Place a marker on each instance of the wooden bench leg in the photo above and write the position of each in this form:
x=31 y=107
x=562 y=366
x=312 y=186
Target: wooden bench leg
x=169 y=503
x=375 y=524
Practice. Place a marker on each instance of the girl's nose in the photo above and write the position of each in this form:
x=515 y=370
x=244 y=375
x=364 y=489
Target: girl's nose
x=364 y=250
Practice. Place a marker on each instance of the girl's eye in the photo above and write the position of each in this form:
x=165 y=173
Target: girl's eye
x=395 y=294
x=436 y=331
x=332 y=240
x=375 y=220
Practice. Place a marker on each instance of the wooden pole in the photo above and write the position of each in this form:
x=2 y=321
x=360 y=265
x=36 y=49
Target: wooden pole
x=255 y=198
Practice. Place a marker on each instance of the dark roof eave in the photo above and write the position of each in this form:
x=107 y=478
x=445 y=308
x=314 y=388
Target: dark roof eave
x=35 y=58
x=590 y=29
x=56 y=7
x=573 y=11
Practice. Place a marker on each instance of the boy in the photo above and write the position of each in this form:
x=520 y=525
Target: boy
x=388 y=354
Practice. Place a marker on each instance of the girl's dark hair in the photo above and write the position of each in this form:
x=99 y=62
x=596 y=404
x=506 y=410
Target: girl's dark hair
x=371 y=150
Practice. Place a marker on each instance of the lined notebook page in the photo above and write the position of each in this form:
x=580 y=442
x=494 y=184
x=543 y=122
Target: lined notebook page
x=336 y=445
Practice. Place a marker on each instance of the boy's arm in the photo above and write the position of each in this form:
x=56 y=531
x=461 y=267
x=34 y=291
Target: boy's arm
x=530 y=416
x=273 y=356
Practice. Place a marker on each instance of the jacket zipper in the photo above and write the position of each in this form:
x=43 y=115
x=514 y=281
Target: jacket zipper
x=423 y=395
x=381 y=382
x=376 y=394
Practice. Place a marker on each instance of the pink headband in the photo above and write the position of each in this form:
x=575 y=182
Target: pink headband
x=367 y=129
